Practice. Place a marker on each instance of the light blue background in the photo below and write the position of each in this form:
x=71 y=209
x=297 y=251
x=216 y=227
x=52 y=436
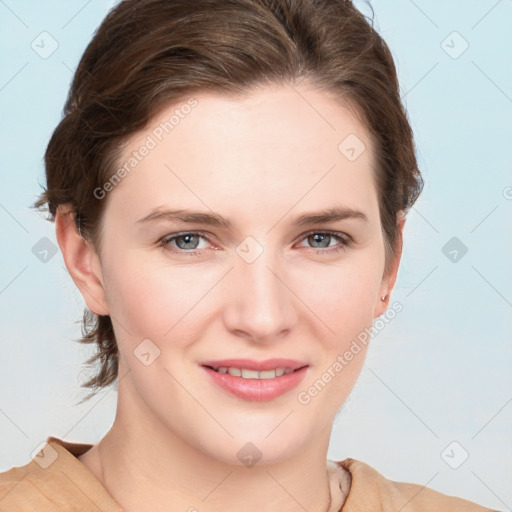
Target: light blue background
x=439 y=372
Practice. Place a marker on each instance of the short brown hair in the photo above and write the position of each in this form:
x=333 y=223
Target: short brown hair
x=148 y=54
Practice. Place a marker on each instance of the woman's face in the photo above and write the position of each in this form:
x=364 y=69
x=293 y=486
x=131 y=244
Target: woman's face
x=244 y=277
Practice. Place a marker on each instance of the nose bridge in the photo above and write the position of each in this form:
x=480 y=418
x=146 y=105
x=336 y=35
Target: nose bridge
x=261 y=305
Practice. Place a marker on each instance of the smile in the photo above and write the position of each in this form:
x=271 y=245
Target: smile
x=245 y=373
x=256 y=380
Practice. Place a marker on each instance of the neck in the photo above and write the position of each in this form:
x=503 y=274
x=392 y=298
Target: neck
x=145 y=466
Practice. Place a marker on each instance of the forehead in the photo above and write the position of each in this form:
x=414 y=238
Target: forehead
x=274 y=147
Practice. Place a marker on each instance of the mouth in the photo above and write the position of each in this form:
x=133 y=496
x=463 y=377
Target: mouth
x=246 y=373
x=256 y=380
x=251 y=369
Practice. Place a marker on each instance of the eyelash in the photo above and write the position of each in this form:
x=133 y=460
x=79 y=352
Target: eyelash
x=344 y=239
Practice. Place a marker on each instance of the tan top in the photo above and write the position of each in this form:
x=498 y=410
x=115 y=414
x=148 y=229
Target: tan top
x=56 y=481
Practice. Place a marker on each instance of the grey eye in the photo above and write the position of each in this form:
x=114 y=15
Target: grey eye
x=322 y=239
x=189 y=241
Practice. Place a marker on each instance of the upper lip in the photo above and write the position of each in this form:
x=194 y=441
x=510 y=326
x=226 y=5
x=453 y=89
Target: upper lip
x=250 y=364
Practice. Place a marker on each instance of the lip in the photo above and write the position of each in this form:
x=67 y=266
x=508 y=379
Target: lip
x=261 y=366
x=257 y=389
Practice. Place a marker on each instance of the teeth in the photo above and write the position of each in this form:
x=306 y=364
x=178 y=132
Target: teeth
x=269 y=374
x=236 y=372
x=253 y=374
x=250 y=374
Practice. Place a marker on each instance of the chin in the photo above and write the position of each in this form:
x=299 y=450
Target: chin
x=255 y=447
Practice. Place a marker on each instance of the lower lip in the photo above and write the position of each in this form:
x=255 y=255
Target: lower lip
x=257 y=389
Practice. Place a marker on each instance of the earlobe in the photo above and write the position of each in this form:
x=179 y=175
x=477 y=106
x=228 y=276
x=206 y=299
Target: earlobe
x=389 y=278
x=81 y=261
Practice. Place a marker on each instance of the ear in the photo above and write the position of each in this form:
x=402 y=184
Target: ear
x=81 y=260
x=390 y=274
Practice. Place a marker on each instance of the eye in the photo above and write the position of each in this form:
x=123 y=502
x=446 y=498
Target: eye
x=322 y=240
x=190 y=242
x=183 y=242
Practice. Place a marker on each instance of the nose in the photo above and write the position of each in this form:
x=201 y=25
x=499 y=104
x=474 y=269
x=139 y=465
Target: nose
x=260 y=305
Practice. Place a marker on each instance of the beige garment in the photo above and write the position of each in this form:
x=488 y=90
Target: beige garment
x=56 y=481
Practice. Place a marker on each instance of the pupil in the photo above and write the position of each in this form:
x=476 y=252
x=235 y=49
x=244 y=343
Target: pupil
x=187 y=239
x=321 y=239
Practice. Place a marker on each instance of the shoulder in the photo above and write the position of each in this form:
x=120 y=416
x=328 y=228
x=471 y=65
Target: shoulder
x=370 y=490
x=54 y=480
x=25 y=487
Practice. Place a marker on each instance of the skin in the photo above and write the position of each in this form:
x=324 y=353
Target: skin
x=260 y=161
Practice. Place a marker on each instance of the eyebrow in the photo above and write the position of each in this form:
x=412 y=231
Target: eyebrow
x=213 y=219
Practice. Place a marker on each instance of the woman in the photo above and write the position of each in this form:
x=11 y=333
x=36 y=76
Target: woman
x=229 y=186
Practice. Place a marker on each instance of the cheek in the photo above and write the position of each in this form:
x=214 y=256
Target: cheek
x=344 y=306
x=340 y=297
x=149 y=299
x=132 y=289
